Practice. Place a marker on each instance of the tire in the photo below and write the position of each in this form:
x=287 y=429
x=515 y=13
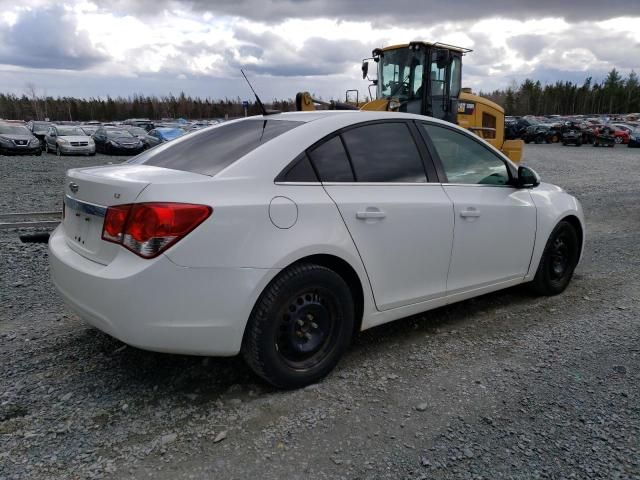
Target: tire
x=618 y=140
x=540 y=139
x=300 y=326
x=558 y=261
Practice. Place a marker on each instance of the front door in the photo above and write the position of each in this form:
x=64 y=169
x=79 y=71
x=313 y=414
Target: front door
x=495 y=223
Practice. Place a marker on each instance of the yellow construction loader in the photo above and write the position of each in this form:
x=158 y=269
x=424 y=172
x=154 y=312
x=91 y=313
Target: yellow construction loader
x=425 y=78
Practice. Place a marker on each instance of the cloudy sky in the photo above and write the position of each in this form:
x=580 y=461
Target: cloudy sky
x=120 y=47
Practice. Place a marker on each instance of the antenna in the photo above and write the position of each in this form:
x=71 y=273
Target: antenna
x=264 y=110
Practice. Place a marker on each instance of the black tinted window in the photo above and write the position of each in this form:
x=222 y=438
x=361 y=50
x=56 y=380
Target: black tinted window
x=211 y=150
x=384 y=152
x=331 y=162
x=300 y=171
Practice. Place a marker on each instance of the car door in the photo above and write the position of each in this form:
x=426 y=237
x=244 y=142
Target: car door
x=49 y=138
x=401 y=224
x=495 y=222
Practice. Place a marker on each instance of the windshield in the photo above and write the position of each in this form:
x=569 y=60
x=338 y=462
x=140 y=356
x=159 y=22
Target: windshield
x=70 y=131
x=14 y=129
x=400 y=73
x=40 y=126
x=118 y=134
x=137 y=131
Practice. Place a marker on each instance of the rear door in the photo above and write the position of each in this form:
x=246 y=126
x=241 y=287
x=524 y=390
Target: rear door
x=401 y=224
x=495 y=223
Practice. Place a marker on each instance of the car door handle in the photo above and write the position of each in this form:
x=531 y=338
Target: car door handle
x=370 y=214
x=470 y=213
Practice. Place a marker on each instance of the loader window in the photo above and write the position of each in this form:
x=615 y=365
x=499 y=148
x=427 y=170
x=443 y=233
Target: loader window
x=400 y=74
x=488 y=125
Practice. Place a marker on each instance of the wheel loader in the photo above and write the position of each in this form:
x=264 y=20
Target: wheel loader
x=425 y=78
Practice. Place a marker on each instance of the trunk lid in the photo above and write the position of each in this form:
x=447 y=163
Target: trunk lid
x=88 y=193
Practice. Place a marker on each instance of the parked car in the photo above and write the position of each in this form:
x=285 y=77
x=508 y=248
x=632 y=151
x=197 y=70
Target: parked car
x=281 y=236
x=89 y=129
x=145 y=123
x=620 y=135
x=39 y=129
x=162 y=135
x=572 y=137
x=604 y=137
x=18 y=140
x=542 y=133
x=634 y=139
x=68 y=140
x=140 y=133
x=113 y=141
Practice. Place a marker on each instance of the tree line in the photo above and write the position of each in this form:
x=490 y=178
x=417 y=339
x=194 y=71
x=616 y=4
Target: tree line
x=30 y=106
x=614 y=95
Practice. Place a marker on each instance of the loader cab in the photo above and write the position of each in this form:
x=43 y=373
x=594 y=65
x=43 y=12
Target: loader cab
x=422 y=78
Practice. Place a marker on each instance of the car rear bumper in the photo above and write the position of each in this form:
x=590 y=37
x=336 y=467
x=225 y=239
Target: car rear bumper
x=156 y=304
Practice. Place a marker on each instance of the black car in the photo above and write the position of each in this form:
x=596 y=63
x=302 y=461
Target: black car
x=18 y=140
x=39 y=129
x=113 y=141
x=572 y=137
x=141 y=133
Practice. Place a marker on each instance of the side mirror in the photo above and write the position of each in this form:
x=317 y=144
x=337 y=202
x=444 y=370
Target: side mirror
x=365 y=69
x=527 y=177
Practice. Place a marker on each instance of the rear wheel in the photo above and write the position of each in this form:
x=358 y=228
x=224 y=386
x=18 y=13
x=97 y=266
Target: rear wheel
x=540 y=139
x=618 y=139
x=300 y=326
x=558 y=261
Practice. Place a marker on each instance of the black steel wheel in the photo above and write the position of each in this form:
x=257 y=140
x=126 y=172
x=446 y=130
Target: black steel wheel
x=558 y=261
x=300 y=326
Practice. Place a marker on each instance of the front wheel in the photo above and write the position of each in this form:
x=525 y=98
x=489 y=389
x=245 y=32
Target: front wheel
x=300 y=326
x=618 y=140
x=559 y=260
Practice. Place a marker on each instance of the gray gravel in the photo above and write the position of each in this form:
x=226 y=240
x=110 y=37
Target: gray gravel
x=503 y=386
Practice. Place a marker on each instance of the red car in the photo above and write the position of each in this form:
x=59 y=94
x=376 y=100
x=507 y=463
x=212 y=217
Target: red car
x=619 y=135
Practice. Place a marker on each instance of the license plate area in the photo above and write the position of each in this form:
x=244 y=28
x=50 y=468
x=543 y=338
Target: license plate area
x=83 y=225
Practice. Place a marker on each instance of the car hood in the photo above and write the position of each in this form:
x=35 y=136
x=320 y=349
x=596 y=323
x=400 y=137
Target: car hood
x=75 y=138
x=14 y=136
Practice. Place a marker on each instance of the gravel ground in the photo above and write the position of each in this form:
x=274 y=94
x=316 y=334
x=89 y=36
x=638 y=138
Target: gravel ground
x=503 y=386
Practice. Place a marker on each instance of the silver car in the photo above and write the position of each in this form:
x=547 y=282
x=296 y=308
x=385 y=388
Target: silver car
x=68 y=140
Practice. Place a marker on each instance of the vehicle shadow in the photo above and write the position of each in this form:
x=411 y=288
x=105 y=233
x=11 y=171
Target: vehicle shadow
x=164 y=376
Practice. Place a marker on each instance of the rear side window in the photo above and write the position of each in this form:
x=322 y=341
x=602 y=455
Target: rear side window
x=331 y=162
x=384 y=152
x=209 y=151
x=300 y=171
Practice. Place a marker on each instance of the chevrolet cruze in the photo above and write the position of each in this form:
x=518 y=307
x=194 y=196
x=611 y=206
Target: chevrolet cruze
x=281 y=236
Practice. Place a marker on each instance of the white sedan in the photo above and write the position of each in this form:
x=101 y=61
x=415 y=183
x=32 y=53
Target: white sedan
x=281 y=236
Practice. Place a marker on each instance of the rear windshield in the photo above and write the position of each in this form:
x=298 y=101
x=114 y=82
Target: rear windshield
x=211 y=150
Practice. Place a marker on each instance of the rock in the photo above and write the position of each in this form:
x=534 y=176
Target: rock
x=169 y=438
x=221 y=436
x=421 y=407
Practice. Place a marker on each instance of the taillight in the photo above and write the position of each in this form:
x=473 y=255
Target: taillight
x=148 y=229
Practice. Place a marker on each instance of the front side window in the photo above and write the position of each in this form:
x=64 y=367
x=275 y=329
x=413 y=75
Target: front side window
x=464 y=159
x=384 y=152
